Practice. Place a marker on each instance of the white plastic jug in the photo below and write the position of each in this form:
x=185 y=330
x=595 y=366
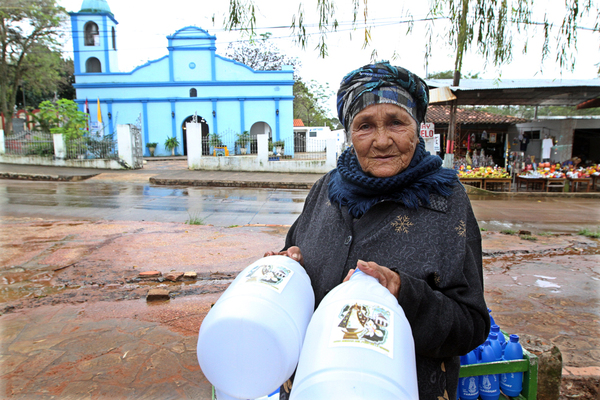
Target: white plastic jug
x=250 y=341
x=358 y=345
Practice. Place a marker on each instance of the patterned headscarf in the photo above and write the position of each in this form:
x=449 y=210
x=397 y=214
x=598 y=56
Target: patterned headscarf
x=381 y=83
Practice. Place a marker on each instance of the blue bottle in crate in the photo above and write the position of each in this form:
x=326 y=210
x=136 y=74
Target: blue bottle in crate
x=512 y=382
x=489 y=385
x=496 y=329
x=493 y=338
x=492 y=322
x=468 y=387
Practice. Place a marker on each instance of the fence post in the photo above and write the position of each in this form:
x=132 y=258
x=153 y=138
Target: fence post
x=60 y=147
x=194 y=144
x=331 y=153
x=262 y=143
x=2 y=145
x=125 y=144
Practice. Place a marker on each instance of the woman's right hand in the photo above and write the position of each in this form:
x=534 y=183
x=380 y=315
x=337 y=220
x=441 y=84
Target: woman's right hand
x=293 y=252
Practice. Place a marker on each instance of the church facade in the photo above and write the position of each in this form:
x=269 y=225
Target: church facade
x=163 y=94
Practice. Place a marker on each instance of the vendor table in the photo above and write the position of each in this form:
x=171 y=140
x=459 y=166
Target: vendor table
x=595 y=182
x=574 y=184
x=531 y=182
x=555 y=183
x=493 y=183
x=472 y=182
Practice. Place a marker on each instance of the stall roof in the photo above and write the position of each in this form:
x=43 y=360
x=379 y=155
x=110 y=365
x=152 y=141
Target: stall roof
x=441 y=115
x=533 y=92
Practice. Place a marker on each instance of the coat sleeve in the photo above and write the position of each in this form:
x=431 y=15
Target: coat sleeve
x=449 y=318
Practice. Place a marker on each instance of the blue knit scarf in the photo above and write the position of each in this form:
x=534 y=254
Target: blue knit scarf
x=350 y=186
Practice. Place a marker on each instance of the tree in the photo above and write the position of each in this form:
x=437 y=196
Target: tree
x=62 y=117
x=449 y=74
x=309 y=103
x=488 y=25
x=309 y=99
x=53 y=79
x=29 y=33
x=260 y=55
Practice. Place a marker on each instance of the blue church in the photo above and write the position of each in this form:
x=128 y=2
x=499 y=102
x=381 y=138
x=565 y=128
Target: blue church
x=227 y=97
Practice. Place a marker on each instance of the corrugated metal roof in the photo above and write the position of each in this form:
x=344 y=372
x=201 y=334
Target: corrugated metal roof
x=483 y=84
x=441 y=115
x=541 y=92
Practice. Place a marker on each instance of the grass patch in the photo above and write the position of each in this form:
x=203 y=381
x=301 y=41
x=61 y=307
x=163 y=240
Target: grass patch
x=508 y=231
x=588 y=233
x=483 y=229
x=546 y=234
x=528 y=237
x=233 y=226
x=194 y=220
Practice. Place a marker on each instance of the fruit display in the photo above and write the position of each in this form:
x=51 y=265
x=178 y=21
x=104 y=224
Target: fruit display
x=548 y=170
x=482 y=172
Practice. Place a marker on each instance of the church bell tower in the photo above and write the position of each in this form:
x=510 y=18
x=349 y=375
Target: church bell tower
x=94 y=38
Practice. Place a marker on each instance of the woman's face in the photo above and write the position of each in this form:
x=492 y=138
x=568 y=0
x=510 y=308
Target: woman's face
x=384 y=138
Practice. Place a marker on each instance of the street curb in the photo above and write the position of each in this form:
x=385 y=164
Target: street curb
x=225 y=183
x=38 y=177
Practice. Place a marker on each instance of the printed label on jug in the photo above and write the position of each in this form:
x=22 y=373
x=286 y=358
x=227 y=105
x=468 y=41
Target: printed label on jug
x=364 y=324
x=274 y=276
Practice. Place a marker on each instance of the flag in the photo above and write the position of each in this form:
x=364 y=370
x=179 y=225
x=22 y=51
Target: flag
x=99 y=112
x=87 y=111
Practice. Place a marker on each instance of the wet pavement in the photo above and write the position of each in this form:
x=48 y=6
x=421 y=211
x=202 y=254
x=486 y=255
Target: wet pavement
x=75 y=323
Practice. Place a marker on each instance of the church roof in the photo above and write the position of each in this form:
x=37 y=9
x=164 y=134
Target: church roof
x=95 y=6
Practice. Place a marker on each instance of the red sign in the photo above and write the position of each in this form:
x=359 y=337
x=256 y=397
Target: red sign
x=427 y=130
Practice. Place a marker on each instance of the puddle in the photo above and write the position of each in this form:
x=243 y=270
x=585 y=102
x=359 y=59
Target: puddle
x=545 y=284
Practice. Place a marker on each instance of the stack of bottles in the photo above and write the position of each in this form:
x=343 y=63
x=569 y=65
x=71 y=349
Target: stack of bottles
x=495 y=348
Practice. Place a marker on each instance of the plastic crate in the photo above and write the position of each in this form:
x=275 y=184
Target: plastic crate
x=528 y=365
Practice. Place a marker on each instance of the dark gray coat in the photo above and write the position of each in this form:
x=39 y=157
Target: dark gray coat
x=437 y=252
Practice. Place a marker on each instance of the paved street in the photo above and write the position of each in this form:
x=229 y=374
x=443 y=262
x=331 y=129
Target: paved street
x=75 y=322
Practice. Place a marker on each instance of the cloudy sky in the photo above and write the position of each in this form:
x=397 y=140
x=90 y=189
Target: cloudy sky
x=142 y=31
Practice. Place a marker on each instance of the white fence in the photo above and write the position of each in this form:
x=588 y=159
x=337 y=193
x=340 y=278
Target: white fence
x=261 y=155
x=86 y=152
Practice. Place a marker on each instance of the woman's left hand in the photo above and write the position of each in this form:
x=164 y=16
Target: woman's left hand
x=386 y=277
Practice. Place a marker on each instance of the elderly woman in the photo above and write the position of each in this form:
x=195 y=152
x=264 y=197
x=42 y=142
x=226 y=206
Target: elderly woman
x=390 y=209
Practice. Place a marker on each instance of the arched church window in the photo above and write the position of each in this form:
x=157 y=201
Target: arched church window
x=193 y=92
x=93 y=65
x=92 y=36
x=114 y=38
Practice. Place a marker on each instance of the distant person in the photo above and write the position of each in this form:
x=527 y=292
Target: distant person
x=390 y=209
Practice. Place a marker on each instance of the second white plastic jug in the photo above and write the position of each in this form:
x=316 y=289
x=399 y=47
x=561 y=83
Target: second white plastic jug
x=358 y=345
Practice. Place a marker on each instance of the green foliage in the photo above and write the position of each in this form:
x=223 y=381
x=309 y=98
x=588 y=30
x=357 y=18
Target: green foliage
x=546 y=234
x=243 y=138
x=194 y=219
x=62 y=117
x=528 y=112
x=527 y=237
x=29 y=33
x=214 y=140
x=508 y=231
x=488 y=27
x=310 y=101
x=449 y=74
x=589 y=233
x=279 y=143
x=152 y=144
x=171 y=143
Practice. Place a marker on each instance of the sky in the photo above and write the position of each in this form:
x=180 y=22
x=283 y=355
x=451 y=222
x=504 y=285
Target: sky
x=142 y=31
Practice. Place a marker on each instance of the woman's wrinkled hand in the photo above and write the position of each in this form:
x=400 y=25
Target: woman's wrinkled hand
x=293 y=252
x=386 y=277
